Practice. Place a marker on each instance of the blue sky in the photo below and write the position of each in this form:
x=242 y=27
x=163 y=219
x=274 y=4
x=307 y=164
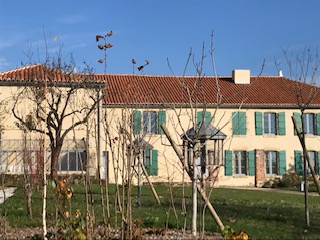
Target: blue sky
x=245 y=33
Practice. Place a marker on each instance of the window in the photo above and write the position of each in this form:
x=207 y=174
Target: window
x=308 y=121
x=151 y=161
x=311 y=122
x=275 y=162
x=239 y=123
x=148 y=122
x=72 y=160
x=240 y=158
x=270 y=123
x=271 y=159
x=314 y=158
x=239 y=163
x=314 y=162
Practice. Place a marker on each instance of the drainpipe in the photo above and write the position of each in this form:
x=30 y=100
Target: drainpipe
x=99 y=133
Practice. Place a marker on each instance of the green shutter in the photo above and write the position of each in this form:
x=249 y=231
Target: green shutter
x=136 y=122
x=318 y=123
x=298 y=120
x=258 y=123
x=228 y=163
x=161 y=120
x=147 y=162
x=281 y=123
x=239 y=123
x=318 y=158
x=235 y=123
x=206 y=116
x=154 y=165
x=298 y=161
x=251 y=163
x=282 y=162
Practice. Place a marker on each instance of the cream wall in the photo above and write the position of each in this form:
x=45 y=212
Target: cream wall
x=169 y=164
x=11 y=135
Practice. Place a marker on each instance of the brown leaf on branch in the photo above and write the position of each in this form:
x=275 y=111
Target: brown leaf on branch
x=140 y=68
x=100 y=61
x=108 y=45
x=110 y=34
x=133 y=61
x=100 y=46
x=98 y=37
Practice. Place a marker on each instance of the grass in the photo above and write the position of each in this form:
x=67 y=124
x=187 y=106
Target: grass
x=263 y=214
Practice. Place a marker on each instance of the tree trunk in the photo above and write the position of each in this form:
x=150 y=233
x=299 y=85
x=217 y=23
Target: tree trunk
x=55 y=153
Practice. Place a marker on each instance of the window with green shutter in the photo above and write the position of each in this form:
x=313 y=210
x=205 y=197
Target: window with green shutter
x=203 y=116
x=151 y=162
x=228 y=163
x=150 y=120
x=270 y=123
x=275 y=162
x=239 y=123
x=298 y=161
x=311 y=122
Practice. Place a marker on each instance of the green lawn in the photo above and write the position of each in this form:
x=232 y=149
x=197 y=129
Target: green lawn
x=263 y=214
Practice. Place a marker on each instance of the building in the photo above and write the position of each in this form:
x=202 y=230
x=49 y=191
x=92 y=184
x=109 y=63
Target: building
x=248 y=117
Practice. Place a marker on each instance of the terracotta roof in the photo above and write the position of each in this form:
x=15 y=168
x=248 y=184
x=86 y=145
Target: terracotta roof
x=263 y=91
x=40 y=72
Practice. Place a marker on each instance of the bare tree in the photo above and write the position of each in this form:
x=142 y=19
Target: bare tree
x=304 y=68
x=57 y=105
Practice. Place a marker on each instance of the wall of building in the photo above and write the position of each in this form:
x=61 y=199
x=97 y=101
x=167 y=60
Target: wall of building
x=180 y=120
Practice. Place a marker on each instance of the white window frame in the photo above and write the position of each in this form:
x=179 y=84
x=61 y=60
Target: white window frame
x=78 y=154
x=239 y=161
x=309 y=123
x=149 y=122
x=272 y=162
x=267 y=123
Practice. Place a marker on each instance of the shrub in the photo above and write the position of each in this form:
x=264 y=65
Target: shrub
x=288 y=180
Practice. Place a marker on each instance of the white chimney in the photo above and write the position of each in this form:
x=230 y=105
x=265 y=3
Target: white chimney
x=280 y=74
x=241 y=76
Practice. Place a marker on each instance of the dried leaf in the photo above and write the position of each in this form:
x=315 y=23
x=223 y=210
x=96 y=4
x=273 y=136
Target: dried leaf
x=108 y=45
x=110 y=34
x=98 y=37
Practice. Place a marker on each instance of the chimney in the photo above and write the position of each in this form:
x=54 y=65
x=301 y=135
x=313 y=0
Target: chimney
x=241 y=76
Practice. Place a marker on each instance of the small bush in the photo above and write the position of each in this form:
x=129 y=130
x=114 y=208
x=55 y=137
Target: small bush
x=288 y=180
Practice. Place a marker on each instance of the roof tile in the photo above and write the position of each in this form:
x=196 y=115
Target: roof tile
x=147 y=90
